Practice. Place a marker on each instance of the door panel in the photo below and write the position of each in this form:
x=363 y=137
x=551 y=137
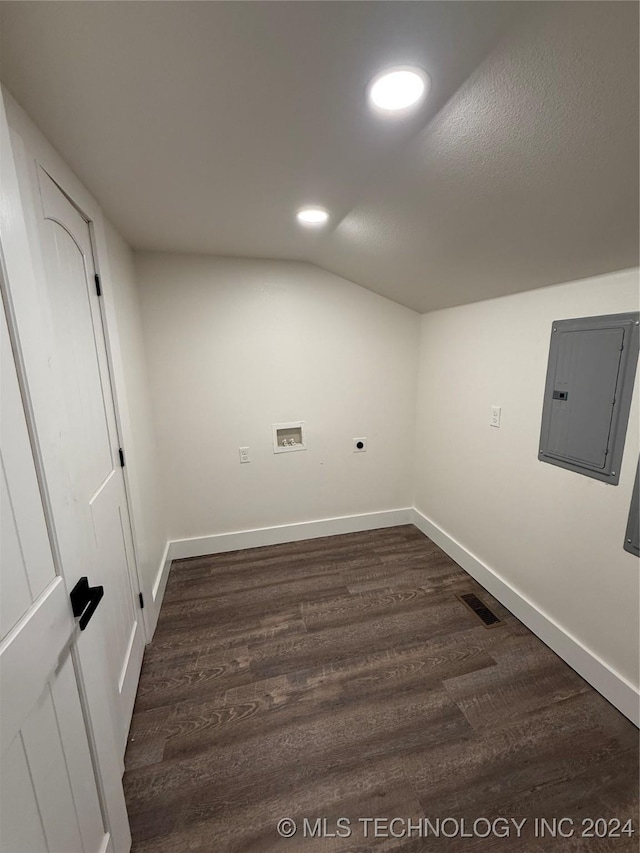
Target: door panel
x=42 y=749
x=110 y=531
x=90 y=449
x=24 y=543
x=73 y=324
x=48 y=790
x=22 y=830
x=15 y=595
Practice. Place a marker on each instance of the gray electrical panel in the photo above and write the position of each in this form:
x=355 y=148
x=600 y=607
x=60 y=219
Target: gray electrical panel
x=632 y=534
x=592 y=364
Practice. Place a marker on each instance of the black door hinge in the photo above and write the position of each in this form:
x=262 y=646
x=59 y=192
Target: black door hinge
x=141 y=597
x=96 y=278
x=121 y=455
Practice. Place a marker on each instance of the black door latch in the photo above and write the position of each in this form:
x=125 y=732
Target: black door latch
x=84 y=600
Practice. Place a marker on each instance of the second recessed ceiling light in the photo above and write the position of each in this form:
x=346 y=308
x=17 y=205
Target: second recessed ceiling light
x=312 y=216
x=398 y=89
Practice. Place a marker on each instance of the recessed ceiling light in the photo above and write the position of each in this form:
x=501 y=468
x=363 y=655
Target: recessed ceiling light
x=312 y=216
x=398 y=88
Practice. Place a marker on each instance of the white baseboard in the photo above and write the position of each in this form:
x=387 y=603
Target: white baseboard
x=613 y=686
x=157 y=593
x=161 y=578
x=220 y=542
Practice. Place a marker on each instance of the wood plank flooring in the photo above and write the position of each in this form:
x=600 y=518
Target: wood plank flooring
x=341 y=677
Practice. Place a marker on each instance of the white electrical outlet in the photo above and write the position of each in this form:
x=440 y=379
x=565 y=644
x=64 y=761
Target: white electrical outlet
x=244 y=455
x=496 y=411
x=359 y=445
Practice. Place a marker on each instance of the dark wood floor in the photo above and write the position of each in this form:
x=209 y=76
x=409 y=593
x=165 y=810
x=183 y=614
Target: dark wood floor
x=341 y=677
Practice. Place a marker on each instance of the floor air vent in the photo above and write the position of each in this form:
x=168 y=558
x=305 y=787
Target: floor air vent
x=489 y=619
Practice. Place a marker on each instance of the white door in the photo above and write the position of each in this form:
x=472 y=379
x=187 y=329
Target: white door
x=49 y=798
x=26 y=668
x=95 y=539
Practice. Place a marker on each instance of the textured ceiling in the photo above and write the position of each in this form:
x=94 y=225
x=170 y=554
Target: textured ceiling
x=201 y=127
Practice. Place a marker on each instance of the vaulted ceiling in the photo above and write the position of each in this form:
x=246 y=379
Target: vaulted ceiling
x=203 y=126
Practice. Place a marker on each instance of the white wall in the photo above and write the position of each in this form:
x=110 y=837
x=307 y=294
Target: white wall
x=553 y=535
x=139 y=438
x=237 y=345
